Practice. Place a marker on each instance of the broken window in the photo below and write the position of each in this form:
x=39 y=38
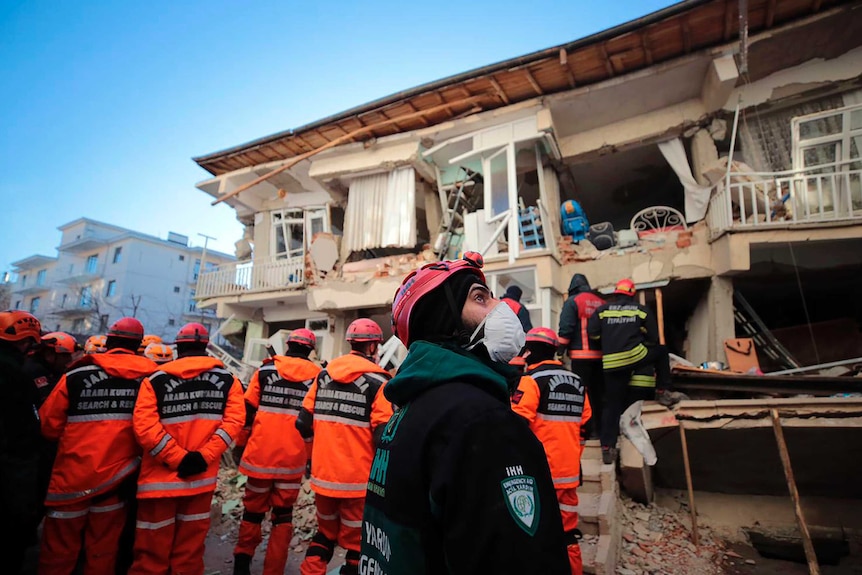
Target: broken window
x=381 y=212
x=288 y=234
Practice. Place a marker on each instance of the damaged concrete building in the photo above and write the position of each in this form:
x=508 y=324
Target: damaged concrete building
x=711 y=154
x=635 y=125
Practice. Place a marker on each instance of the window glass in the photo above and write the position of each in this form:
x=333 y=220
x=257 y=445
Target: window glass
x=112 y=288
x=86 y=297
x=34 y=304
x=820 y=127
x=118 y=254
x=92 y=262
x=40 y=277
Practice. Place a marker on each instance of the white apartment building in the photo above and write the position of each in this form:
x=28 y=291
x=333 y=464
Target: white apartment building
x=104 y=272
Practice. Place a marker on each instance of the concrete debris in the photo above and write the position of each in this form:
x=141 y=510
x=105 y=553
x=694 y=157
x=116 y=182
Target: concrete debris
x=658 y=541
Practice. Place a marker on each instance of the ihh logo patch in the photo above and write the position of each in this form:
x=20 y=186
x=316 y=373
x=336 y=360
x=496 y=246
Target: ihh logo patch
x=522 y=499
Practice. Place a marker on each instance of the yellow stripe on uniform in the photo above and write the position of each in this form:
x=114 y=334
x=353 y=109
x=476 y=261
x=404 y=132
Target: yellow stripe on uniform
x=642 y=381
x=622 y=313
x=624 y=358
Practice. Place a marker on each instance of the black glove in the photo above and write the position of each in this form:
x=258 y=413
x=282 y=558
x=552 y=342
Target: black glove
x=192 y=464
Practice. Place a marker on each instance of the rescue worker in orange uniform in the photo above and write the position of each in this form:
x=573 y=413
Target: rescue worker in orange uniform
x=89 y=415
x=585 y=354
x=186 y=417
x=148 y=339
x=159 y=352
x=19 y=439
x=95 y=344
x=345 y=412
x=275 y=456
x=552 y=400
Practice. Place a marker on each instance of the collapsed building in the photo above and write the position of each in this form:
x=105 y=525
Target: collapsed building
x=711 y=154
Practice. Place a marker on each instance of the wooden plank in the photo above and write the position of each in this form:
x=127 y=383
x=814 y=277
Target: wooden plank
x=609 y=66
x=421 y=119
x=499 y=89
x=807 y=545
x=815 y=6
x=342 y=139
x=659 y=304
x=645 y=44
x=686 y=36
x=695 y=537
x=728 y=19
x=770 y=14
x=533 y=82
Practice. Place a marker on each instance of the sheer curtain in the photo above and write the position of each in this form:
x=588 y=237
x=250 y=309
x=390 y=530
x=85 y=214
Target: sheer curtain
x=696 y=196
x=381 y=211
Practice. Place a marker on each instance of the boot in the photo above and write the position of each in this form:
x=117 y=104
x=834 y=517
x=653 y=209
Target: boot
x=241 y=564
x=609 y=455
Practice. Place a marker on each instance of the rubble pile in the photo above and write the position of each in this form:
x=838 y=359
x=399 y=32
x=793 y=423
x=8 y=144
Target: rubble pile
x=658 y=541
x=227 y=510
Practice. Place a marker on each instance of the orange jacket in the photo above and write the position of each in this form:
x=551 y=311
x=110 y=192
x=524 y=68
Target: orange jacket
x=89 y=414
x=346 y=400
x=552 y=399
x=191 y=404
x=275 y=449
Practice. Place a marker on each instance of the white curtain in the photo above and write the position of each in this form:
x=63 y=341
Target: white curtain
x=381 y=211
x=551 y=194
x=696 y=196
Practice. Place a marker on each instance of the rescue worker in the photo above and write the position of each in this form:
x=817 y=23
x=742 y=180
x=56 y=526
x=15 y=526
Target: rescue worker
x=148 y=339
x=19 y=439
x=628 y=333
x=344 y=411
x=459 y=483
x=159 y=352
x=89 y=415
x=95 y=344
x=187 y=415
x=552 y=400
x=46 y=365
x=512 y=298
x=48 y=362
x=585 y=354
x=275 y=455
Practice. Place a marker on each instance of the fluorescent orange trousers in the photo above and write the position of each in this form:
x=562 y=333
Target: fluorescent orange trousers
x=278 y=497
x=170 y=535
x=95 y=525
x=339 y=521
x=568 y=499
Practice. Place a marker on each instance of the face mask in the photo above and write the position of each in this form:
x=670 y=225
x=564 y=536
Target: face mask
x=501 y=332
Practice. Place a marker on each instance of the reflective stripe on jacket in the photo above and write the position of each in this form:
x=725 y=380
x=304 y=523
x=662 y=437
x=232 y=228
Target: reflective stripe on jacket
x=623 y=327
x=275 y=449
x=552 y=400
x=347 y=403
x=191 y=404
x=574 y=319
x=89 y=414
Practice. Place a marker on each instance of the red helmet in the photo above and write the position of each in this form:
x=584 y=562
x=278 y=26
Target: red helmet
x=364 y=329
x=543 y=335
x=128 y=328
x=159 y=352
x=16 y=325
x=193 y=332
x=625 y=287
x=303 y=336
x=95 y=344
x=60 y=342
x=147 y=340
x=421 y=282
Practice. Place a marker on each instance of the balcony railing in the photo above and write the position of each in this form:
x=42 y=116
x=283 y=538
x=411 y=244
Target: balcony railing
x=257 y=275
x=766 y=200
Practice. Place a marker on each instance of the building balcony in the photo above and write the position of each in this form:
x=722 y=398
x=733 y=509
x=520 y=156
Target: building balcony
x=83 y=244
x=80 y=278
x=72 y=310
x=821 y=196
x=259 y=275
x=31 y=289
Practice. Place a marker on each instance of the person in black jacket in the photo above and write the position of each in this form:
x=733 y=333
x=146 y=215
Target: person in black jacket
x=512 y=298
x=459 y=483
x=635 y=365
x=20 y=440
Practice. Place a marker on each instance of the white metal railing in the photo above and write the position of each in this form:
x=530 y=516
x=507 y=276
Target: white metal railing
x=762 y=200
x=267 y=274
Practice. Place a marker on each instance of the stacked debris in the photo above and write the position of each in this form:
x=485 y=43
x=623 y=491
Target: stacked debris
x=658 y=541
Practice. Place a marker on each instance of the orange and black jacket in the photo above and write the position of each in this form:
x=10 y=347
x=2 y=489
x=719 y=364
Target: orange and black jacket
x=343 y=409
x=191 y=404
x=89 y=414
x=552 y=400
x=275 y=448
x=574 y=318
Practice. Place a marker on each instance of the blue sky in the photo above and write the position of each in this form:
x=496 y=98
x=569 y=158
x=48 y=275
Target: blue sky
x=105 y=103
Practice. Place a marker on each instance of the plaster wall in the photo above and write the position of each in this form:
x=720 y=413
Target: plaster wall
x=373 y=158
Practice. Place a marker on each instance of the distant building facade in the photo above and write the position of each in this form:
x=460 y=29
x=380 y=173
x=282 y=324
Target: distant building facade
x=103 y=272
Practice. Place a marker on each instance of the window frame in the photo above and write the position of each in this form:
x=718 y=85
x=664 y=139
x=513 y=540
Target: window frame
x=118 y=255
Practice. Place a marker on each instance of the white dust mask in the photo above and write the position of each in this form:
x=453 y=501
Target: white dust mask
x=501 y=333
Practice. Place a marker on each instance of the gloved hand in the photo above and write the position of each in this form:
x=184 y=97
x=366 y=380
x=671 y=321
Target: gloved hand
x=192 y=464
x=669 y=398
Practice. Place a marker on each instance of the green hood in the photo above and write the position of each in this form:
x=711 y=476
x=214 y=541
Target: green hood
x=428 y=365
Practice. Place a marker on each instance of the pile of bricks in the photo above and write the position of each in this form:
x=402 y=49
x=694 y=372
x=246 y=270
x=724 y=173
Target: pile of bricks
x=571 y=252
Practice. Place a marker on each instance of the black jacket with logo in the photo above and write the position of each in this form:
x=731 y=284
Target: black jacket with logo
x=459 y=483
